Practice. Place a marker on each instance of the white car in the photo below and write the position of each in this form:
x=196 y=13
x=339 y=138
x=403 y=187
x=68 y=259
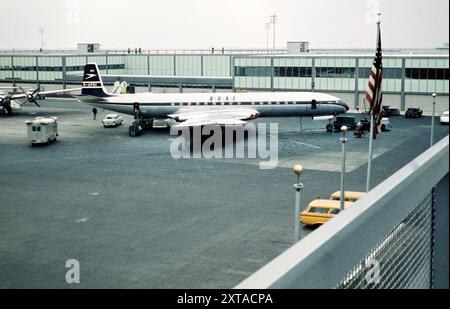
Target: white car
x=444 y=118
x=112 y=120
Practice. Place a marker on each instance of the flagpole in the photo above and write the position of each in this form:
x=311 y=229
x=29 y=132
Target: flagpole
x=372 y=123
x=369 y=163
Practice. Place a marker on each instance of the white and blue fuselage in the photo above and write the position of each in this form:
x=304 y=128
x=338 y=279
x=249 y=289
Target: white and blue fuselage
x=255 y=104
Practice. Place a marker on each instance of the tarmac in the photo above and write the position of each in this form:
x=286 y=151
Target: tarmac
x=135 y=217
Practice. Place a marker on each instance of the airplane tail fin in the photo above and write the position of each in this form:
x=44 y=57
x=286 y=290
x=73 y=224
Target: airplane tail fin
x=92 y=82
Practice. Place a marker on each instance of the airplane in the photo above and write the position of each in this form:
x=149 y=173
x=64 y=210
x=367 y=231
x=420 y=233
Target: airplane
x=201 y=109
x=10 y=102
x=197 y=109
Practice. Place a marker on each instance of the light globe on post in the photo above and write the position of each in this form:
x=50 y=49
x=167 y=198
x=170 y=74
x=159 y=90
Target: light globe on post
x=298 y=170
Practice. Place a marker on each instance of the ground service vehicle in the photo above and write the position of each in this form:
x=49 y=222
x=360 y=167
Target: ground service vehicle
x=413 y=112
x=42 y=130
x=345 y=120
x=444 y=118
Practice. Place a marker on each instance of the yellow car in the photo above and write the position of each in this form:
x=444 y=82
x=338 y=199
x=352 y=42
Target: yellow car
x=351 y=196
x=320 y=211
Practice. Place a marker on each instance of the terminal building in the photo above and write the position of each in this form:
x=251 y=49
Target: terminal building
x=410 y=76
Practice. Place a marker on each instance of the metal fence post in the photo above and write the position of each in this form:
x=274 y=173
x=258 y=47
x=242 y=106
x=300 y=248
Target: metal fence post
x=107 y=62
x=356 y=76
x=64 y=71
x=38 y=83
x=13 y=75
x=402 y=87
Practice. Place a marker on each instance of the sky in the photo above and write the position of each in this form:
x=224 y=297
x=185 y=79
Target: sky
x=202 y=24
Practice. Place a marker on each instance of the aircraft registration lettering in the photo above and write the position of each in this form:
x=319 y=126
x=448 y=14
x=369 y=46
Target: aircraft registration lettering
x=85 y=84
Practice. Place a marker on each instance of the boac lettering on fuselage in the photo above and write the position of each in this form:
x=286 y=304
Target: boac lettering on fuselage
x=222 y=98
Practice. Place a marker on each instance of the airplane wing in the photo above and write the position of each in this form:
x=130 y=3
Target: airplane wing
x=10 y=88
x=31 y=96
x=193 y=118
x=26 y=95
x=59 y=91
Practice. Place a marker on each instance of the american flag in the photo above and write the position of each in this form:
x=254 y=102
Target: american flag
x=374 y=93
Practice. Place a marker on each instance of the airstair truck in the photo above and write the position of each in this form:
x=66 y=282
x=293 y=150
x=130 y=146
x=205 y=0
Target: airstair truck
x=42 y=130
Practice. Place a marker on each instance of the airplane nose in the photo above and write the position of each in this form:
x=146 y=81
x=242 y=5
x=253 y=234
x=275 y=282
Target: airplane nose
x=346 y=106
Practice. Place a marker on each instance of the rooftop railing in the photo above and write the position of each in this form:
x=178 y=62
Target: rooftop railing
x=385 y=240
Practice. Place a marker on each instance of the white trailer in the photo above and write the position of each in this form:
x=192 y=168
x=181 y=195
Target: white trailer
x=42 y=130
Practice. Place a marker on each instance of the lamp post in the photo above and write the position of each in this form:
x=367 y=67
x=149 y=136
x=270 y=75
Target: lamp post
x=267 y=27
x=41 y=31
x=273 y=20
x=298 y=170
x=434 y=95
x=343 y=139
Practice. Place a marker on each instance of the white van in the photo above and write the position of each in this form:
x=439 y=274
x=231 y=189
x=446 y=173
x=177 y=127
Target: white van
x=42 y=130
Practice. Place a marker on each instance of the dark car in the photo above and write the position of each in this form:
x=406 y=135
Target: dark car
x=413 y=112
x=388 y=111
x=345 y=120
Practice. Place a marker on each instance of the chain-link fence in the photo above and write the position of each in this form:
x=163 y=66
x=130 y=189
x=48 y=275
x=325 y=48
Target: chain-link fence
x=403 y=259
